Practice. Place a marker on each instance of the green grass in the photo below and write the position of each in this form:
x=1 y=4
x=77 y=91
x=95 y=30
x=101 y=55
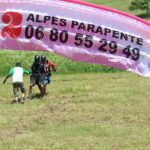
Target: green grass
x=82 y=111
x=88 y=111
x=122 y=6
x=64 y=66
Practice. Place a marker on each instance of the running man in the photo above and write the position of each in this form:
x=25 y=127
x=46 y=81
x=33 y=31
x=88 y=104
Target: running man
x=17 y=80
x=36 y=78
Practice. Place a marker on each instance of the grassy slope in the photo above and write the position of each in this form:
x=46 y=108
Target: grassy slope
x=81 y=112
x=116 y=4
x=120 y=5
x=9 y=58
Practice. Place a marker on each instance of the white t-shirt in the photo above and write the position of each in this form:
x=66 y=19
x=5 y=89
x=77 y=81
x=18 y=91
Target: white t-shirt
x=17 y=73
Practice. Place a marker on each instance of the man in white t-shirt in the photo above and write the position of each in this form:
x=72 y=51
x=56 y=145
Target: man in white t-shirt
x=17 y=80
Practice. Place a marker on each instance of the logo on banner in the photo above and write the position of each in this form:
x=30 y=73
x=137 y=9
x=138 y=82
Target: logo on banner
x=13 y=21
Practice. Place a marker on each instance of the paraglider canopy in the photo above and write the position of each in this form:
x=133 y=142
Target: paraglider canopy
x=77 y=30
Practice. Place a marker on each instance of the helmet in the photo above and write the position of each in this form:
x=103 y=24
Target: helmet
x=43 y=58
x=37 y=59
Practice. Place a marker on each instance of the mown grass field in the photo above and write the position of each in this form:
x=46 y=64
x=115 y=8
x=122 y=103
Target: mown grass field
x=84 y=111
x=88 y=107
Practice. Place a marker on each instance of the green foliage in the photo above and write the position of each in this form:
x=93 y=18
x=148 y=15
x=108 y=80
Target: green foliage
x=141 y=4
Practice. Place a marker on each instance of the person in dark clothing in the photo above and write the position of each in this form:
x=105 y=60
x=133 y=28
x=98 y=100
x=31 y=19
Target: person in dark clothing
x=36 y=78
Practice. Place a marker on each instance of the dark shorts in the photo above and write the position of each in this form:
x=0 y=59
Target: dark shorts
x=41 y=78
x=37 y=79
x=34 y=79
x=17 y=86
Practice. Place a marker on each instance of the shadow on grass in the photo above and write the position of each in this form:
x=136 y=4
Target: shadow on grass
x=36 y=96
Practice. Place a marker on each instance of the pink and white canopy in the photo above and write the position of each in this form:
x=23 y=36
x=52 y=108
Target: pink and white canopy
x=77 y=30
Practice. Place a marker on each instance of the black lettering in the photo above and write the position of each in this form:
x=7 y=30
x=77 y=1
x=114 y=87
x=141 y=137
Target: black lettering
x=115 y=34
x=123 y=36
x=103 y=46
x=29 y=31
x=139 y=41
x=38 y=19
x=39 y=32
x=74 y=23
x=90 y=28
x=99 y=30
x=132 y=38
x=30 y=18
x=54 y=20
x=63 y=37
x=82 y=27
x=53 y=35
x=63 y=22
x=106 y=31
x=46 y=18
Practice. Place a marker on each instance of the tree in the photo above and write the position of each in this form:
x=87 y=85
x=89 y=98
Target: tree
x=141 y=4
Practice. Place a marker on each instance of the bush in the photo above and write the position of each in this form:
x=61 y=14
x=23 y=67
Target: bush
x=140 y=4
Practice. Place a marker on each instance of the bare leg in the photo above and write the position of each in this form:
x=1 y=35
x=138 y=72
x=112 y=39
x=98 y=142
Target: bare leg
x=41 y=87
x=23 y=96
x=16 y=90
x=30 y=91
x=44 y=89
